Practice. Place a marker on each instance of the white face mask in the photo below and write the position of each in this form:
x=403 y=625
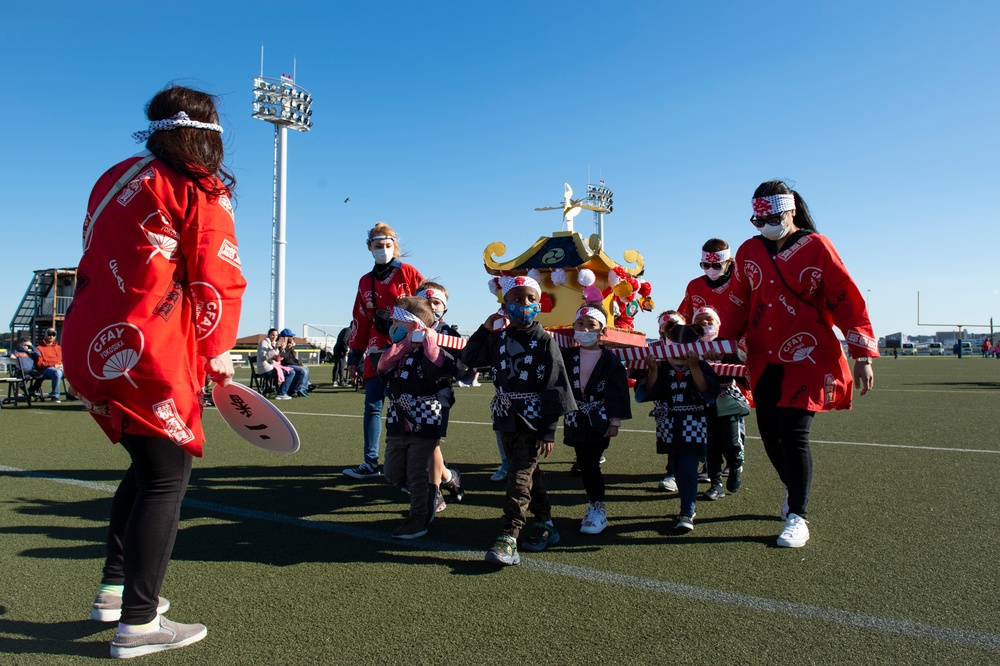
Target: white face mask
x=587 y=338
x=383 y=255
x=776 y=231
x=709 y=332
x=714 y=274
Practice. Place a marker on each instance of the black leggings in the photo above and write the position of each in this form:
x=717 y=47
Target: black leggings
x=144 y=516
x=785 y=432
x=588 y=459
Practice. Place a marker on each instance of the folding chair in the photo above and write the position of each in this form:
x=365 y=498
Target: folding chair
x=17 y=382
x=262 y=385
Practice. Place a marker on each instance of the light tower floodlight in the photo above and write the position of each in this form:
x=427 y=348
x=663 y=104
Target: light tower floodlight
x=284 y=105
x=599 y=197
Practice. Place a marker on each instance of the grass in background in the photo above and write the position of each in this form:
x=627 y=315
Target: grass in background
x=900 y=534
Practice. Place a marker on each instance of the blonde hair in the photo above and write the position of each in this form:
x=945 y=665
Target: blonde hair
x=383 y=229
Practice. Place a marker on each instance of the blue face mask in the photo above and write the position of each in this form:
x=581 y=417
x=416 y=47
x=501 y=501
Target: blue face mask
x=523 y=314
x=397 y=333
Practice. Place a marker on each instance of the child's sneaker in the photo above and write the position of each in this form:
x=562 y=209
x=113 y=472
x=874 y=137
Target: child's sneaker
x=454 y=486
x=107 y=607
x=684 y=523
x=796 y=532
x=714 y=493
x=596 y=519
x=504 y=551
x=170 y=636
x=411 y=529
x=668 y=483
x=362 y=471
x=500 y=474
x=542 y=535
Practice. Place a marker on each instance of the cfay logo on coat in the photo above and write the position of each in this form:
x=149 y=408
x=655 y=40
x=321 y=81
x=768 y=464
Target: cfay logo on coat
x=114 y=351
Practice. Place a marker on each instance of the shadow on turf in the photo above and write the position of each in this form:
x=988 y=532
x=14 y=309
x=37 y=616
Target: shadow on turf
x=969 y=385
x=62 y=638
x=323 y=494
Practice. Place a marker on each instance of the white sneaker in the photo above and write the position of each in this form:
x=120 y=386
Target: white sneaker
x=475 y=382
x=668 y=483
x=462 y=384
x=796 y=532
x=500 y=474
x=783 y=512
x=596 y=519
x=282 y=397
x=602 y=460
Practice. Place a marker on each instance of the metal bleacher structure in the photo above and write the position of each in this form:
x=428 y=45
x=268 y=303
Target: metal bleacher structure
x=45 y=303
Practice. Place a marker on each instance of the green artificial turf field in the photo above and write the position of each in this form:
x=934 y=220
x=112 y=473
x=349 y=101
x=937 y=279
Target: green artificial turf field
x=288 y=561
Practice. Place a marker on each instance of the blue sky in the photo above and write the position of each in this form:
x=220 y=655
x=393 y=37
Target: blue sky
x=451 y=121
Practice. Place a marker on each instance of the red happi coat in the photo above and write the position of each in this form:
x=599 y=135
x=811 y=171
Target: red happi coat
x=158 y=287
x=782 y=328
x=699 y=294
x=401 y=282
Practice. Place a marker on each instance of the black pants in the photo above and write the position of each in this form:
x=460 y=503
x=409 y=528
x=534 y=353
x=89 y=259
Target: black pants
x=785 y=432
x=144 y=516
x=588 y=459
x=723 y=442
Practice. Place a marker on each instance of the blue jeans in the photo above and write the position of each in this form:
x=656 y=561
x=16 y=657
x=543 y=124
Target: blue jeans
x=301 y=379
x=686 y=470
x=56 y=375
x=374 y=398
x=290 y=375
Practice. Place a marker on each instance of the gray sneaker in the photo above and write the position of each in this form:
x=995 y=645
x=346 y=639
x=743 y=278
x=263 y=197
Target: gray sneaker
x=171 y=635
x=504 y=551
x=108 y=607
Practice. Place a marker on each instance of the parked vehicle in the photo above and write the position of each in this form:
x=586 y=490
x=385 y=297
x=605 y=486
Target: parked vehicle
x=908 y=349
x=935 y=349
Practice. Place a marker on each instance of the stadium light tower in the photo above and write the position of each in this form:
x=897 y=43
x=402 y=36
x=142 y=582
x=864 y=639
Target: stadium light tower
x=284 y=105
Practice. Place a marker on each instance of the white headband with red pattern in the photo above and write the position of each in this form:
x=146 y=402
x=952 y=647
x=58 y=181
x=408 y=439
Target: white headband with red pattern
x=716 y=257
x=673 y=316
x=773 y=204
x=706 y=310
x=593 y=313
x=433 y=293
x=508 y=282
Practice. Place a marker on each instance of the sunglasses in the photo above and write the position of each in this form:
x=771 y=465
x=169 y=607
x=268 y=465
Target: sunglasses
x=705 y=265
x=759 y=222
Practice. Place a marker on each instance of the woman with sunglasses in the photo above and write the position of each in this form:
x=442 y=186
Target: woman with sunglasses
x=789 y=289
x=377 y=293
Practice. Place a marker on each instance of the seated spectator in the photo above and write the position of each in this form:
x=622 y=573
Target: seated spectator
x=49 y=362
x=25 y=356
x=269 y=364
x=290 y=359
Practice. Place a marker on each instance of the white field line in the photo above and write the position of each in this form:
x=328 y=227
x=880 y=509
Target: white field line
x=650 y=432
x=722 y=597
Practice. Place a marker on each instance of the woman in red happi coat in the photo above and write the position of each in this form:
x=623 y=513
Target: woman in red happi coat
x=789 y=289
x=156 y=309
